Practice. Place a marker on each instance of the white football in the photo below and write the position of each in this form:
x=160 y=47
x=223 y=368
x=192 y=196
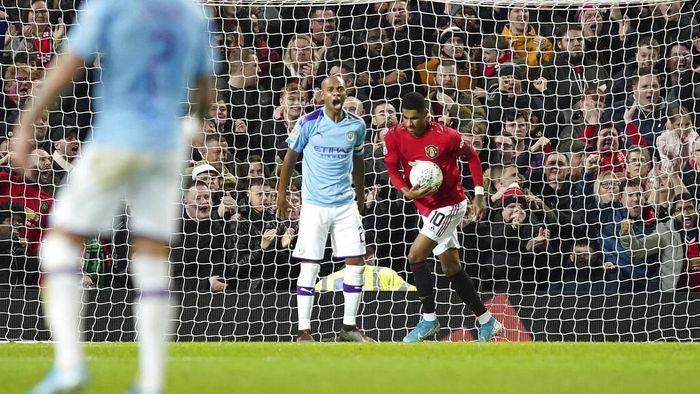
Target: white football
x=426 y=173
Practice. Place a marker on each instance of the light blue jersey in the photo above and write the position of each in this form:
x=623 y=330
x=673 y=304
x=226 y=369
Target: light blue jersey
x=328 y=149
x=149 y=52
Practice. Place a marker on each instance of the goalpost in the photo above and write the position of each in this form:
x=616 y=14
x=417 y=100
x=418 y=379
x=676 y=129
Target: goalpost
x=556 y=96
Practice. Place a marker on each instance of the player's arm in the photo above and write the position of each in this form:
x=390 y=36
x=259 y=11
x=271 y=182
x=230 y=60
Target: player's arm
x=358 y=180
x=62 y=72
x=392 y=159
x=288 y=164
x=201 y=97
x=475 y=169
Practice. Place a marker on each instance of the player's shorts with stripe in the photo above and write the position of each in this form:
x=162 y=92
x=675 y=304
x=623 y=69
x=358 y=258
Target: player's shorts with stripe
x=441 y=226
x=104 y=179
x=344 y=225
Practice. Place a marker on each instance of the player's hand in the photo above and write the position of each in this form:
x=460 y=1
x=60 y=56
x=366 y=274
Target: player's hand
x=478 y=208
x=283 y=207
x=417 y=192
x=267 y=237
x=217 y=284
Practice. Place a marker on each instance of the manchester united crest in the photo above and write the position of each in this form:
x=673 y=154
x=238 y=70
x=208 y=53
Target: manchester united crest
x=431 y=151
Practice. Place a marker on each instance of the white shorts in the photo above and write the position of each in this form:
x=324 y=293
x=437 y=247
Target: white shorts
x=343 y=223
x=441 y=226
x=102 y=180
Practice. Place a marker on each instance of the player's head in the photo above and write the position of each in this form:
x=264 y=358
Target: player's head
x=334 y=94
x=413 y=112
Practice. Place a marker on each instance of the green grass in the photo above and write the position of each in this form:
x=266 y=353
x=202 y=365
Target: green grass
x=564 y=368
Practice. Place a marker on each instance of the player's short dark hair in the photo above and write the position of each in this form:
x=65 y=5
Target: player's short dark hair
x=413 y=101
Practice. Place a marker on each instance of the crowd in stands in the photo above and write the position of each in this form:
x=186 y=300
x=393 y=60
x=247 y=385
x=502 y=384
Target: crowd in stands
x=585 y=120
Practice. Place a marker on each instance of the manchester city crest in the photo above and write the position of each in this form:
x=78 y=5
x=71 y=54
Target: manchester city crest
x=431 y=151
x=350 y=136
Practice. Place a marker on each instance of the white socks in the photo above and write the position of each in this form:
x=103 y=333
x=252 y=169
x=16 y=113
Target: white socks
x=352 y=290
x=305 y=293
x=60 y=260
x=153 y=313
x=484 y=318
x=430 y=316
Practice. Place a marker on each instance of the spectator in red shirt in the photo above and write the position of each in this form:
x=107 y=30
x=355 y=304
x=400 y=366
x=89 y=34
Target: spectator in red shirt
x=38 y=36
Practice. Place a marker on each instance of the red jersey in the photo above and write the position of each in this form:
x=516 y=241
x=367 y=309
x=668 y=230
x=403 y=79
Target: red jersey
x=36 y=204
x=439 y=144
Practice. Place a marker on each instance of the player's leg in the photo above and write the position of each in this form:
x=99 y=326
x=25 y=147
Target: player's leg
x=83 y=207
x=152 y=192
x=311 y=243
x=420 y=250
x=348 y=240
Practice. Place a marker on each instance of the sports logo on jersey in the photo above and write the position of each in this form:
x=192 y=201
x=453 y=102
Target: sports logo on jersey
x=294 y=134
x=350 y=136
x=431 y=151
x=44 y=207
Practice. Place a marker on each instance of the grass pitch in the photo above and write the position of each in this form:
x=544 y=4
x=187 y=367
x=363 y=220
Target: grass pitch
x=564 y=368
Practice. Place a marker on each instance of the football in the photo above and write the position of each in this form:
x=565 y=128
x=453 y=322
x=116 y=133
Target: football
x=426 y=173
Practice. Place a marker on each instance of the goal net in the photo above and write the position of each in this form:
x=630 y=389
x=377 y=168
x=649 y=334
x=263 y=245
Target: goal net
x=583 y=116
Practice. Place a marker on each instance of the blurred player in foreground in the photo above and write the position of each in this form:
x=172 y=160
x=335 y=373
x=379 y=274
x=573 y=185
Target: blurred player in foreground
x=441 y=210
x=332 y=141
x=147 y=65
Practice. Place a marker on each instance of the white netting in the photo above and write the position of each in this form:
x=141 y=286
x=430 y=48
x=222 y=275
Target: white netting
x=589 y=108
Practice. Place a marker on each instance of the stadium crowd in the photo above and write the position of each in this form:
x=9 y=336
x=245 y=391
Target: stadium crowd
x=584 y=120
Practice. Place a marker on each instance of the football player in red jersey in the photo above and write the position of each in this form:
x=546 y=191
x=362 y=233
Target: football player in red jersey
x=442 y=209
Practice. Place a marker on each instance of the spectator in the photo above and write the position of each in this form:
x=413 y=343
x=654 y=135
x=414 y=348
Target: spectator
x=451 y=46
x=663 y=187
x=671 y=24
x=199 y=256
x=449 y=104
x=675 y=144
x=570 y=73
x=18 y=87
x=354 y=106
x=602 y=42
x=215 y=152
x=12 y=247
x=66 y=149
x=247 y=100
x=378 y=67
x=667 y=242
x=257 y=238
x=588 y=273
x=465 y=18
x=510 y=228
x=646 y=61
x=269 y=61
x=581 y=122
x=39 y=171
x=293 y=101
x=691 y=171
x=601 y=197
x=526 y=44
x=301 y=61
x=409 y=38
x=640 y=273
x=38 y=37
x=502 y=150
x=679 y=72
x=644 y=113
x=494 y=52
x=637 y=165
x=331 y=44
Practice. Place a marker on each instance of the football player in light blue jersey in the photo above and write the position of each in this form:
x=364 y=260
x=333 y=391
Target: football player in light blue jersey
x=331 y=140
x=150 y=52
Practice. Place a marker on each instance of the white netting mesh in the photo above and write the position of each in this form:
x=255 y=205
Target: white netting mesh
x=589 y=108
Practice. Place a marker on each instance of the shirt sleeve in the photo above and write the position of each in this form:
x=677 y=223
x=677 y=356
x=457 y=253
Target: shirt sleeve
x=359 y=148
x=298 y=137
x=392 y=159
x=87 y=37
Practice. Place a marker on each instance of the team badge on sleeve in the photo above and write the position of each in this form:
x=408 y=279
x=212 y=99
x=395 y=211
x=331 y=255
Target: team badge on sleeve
x=294 y=134
x=350 y=136
x=431 y=151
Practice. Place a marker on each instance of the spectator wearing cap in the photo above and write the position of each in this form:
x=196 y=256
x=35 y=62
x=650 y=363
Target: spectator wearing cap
x=508 y=242
x=451 y=46
x=465 y=18
x=525 y=42
x=570 y=72
x=66 y=148
x=494 y=52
